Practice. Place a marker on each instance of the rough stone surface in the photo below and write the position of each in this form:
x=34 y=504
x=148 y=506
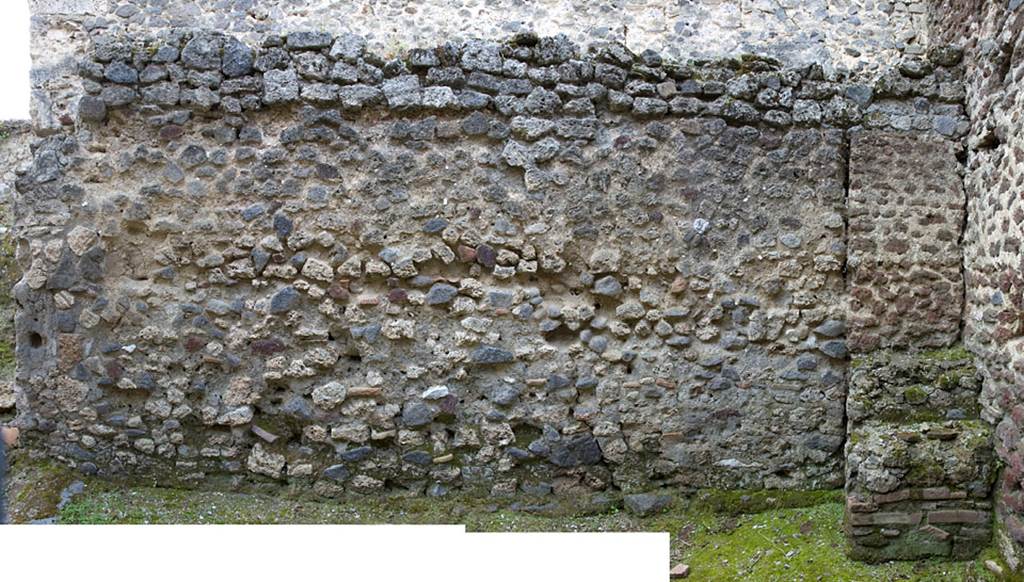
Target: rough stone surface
x=906 y=212
x=862 y=36
x=992 y=40
x=626 y=270
x=919 y=462
x=646 y=504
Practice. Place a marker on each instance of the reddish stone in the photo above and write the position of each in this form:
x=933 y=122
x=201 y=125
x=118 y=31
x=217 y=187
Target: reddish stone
x=860 y=506
x=266 y=347
x=897 y=518
x=957 y=516
x=114 y=369
x=679 y=285
x=933 y=493
x=338 y=291
x=937 y=533
x=69 y=350
x=194 y=343
x=171 y=132
x=449 y=404
x=486 y=256
x=397 y=296
x=466 y=254
x=679 y=571
x=895 y=496
x=1015 y=527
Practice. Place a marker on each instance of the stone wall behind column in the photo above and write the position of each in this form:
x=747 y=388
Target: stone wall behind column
x=991 y=33
x=919 y=461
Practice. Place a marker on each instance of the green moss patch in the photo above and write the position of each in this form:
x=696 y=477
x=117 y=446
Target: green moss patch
x=805 y=544
x=34 y=488
x=722 y=535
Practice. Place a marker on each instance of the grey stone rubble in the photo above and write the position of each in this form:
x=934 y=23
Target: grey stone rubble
x=919 y=462
x=597 y=315
x=536 y=264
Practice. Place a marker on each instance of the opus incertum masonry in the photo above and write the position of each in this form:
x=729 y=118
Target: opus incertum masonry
x=585 y=258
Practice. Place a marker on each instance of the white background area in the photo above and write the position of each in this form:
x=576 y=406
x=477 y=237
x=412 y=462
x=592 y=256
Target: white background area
x=14 y=59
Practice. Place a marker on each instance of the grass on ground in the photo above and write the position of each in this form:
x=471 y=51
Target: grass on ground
x=758 y=536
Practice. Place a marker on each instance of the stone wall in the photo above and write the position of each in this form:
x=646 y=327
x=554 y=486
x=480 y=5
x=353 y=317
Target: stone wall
x=15 y=154
x=863 y=36
x=991 y=33
x=919 y=460
x=906 y=215
x=496 y=266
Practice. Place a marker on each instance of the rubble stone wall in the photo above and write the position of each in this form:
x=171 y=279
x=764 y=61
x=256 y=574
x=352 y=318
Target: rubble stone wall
x=488 y=265
x=906 y=213
x=919 y=461
x=863 y=36
x=15 y=154
x=991 y=34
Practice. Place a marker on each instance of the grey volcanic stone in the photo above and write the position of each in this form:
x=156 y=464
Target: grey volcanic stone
x=834 y=349
x=192 y=156
x=503 y=394
x=416 y=413
x=348 y=47
x=480 y=55
x=280 y=86
x=435 y=225
x=359 y=96
x=251 y=212
x=574 y=451
x=403 y=92
x=418 y=458
x=608 y=286
x=487 y=354
x=336 y=472
x=357 y=454
x=202 y=52
x=441 y=293
x=646 y=504
x=283 y=225
x=91 y=108
x=309 y=40
x=831 y=328
x=119 y=72
x=284 y=300
x=237 y=59
x=115 y=96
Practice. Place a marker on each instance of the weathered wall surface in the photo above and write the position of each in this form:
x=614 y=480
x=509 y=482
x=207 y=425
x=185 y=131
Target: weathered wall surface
x=863 y=36
x=992 y=252
x=906 y=212
x=919 y=460
x=493 y=266
x=15 y=154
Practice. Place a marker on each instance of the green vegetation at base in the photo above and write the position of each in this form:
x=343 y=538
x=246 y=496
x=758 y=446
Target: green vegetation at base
x=722 y=535
x=6 y=358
